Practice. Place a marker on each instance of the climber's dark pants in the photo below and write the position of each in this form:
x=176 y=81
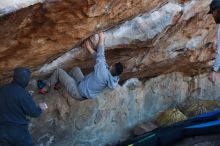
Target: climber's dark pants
x=15 y=135
x=69 y=81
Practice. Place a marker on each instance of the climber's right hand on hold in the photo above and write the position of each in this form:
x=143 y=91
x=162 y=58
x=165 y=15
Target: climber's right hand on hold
x=43 y=106
x=212 y=76
x=89 y=47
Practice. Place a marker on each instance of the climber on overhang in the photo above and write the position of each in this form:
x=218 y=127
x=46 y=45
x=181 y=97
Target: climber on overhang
x=88 y=87
x=215 y=11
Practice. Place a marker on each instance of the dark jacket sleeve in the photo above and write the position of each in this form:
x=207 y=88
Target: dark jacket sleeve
x=29 y=107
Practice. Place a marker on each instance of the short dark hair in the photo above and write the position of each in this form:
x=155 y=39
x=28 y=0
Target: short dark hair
x=215 y=4
x=117 y=69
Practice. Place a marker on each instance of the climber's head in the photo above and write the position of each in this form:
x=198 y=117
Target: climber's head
x=116 y=69
x=215 y=10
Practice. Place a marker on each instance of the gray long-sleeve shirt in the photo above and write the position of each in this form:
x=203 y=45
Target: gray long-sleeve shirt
x=99 y=79
x=216 y=64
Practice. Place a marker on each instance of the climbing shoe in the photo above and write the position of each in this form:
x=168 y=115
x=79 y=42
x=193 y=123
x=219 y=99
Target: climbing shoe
x=43 y=88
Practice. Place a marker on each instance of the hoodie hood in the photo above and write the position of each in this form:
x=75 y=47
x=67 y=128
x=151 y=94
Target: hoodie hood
x=113 y=81
x=22 y=76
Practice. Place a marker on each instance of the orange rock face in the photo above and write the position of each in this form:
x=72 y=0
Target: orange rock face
x=149 y=37
x=35 y=35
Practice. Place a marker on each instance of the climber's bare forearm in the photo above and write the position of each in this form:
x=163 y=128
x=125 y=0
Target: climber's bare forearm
x=91 y=51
